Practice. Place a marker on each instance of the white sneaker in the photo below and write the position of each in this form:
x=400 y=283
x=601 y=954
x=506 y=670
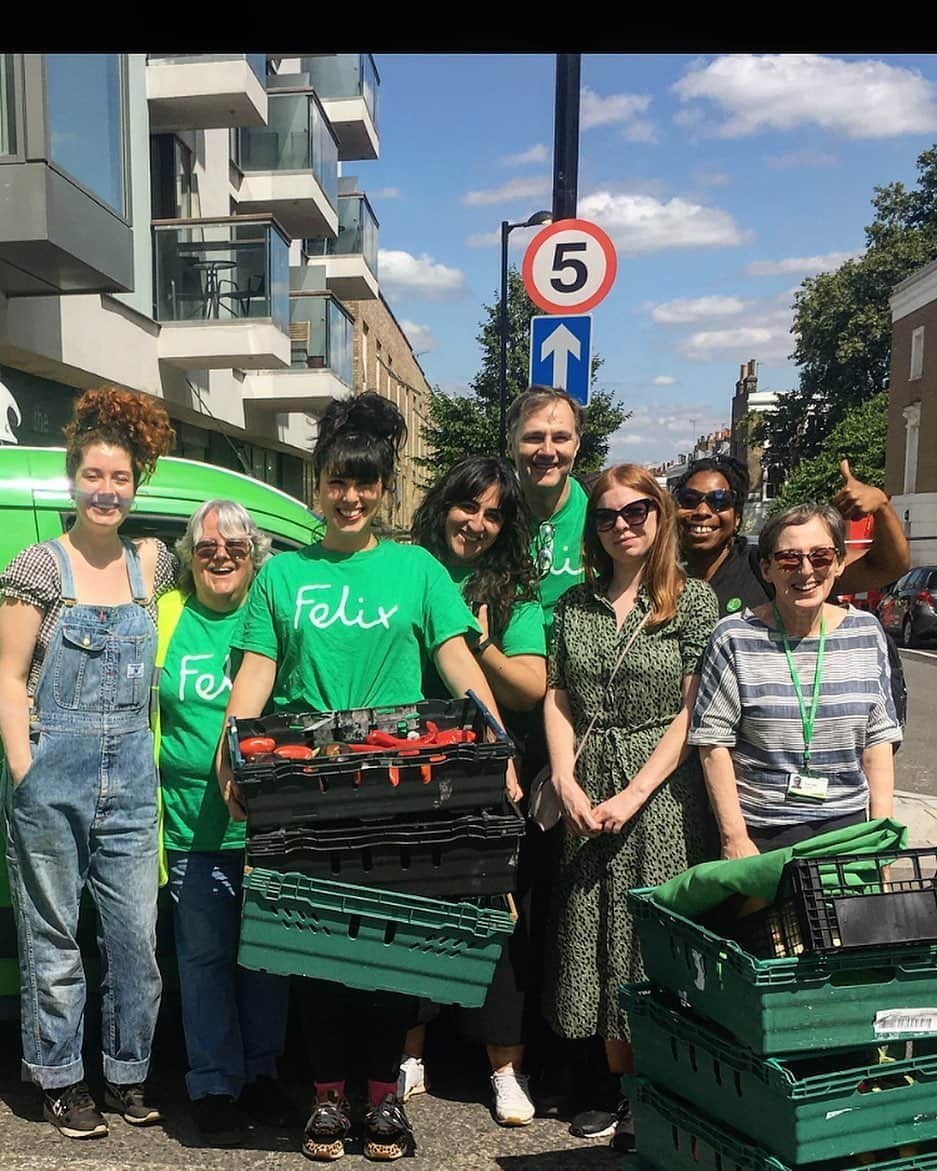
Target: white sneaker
x=412 y=1078
x=513 y=1104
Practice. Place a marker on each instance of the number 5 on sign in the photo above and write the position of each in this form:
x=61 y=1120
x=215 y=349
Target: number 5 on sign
x=569 y=267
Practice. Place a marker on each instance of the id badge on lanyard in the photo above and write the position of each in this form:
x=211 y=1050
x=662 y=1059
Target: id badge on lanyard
x=806 y=785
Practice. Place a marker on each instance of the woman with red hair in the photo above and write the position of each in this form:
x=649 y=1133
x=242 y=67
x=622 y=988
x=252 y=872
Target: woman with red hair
x=624 y=672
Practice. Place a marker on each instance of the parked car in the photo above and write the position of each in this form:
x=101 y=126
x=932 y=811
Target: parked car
x=35 y=506
x=908 y=609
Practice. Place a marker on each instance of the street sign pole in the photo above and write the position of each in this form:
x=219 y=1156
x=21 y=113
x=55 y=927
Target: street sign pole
x=566 y=137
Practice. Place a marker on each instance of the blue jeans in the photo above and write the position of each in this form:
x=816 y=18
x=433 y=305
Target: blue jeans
x=234 y=1019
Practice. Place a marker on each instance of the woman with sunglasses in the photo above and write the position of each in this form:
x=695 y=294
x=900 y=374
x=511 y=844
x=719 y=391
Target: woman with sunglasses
x=634 y=805
x=795 y=719
x=234 y=1020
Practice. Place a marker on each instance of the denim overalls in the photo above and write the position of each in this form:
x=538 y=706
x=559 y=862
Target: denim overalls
x=85 y=813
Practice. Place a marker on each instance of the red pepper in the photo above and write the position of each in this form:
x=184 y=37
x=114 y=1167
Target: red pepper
x=295 y=752
x=254 y=745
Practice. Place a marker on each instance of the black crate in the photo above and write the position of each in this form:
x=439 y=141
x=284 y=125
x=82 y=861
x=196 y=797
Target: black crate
x=448 y=855
x=839 y=903
x=377 y=784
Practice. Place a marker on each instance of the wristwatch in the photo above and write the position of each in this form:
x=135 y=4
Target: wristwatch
x=481 y=646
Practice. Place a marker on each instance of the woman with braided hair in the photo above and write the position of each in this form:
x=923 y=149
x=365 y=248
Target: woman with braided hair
x=77 y=646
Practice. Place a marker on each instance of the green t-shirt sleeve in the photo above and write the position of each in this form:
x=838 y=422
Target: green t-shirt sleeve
x=524 y=633
x=257 y=629
x=699 y=611
x=445 y=614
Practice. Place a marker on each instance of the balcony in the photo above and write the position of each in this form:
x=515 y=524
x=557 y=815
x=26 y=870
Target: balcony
x=221 y=293
x=289 y=168
x=205 y=91
x=348 y=85
x=350 y=260
x=321 y=339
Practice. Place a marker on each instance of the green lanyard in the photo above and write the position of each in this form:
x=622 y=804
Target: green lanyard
x=808 y=719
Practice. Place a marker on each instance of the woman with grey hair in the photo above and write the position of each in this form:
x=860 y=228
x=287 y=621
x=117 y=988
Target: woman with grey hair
x=234 y=1020
x=795 y=719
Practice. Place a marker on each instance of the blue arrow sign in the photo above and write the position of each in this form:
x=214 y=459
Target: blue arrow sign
x=561 y=354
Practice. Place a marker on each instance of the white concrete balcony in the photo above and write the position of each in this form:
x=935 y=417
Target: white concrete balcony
x=348 y=85
x=350 y=259
x=221 y=293
x=204 y=91
x=289 y=168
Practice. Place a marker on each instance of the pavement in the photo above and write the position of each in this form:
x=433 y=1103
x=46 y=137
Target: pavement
x=918 y=812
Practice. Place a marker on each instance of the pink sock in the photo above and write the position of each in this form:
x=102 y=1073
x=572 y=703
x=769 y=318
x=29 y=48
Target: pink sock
x=323 y=1089
x=378 y=1091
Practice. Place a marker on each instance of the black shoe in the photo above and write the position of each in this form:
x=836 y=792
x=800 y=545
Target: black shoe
x=623 y=1138
x=267 y=1102
x=387 y=1131
x=219 y=1121
x=72 y=1111
x=326 y=1130
x=130 y=1102
x=594 y=1124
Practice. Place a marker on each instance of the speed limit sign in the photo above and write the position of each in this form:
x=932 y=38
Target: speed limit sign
x=569 y=267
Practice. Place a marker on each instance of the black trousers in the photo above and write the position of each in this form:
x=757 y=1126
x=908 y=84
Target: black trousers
x=342 y=1025
x=789 y=835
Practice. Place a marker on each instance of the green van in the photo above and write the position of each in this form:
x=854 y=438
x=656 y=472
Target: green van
x=35 y=506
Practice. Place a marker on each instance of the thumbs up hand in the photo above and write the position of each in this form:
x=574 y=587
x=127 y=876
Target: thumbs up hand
x=855 y=499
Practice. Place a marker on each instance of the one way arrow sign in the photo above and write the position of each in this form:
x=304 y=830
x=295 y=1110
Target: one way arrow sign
x=561 y=354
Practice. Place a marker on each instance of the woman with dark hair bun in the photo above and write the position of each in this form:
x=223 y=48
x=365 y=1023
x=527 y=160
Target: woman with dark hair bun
x=350 y=623
x=475 y=521
x=77 y=647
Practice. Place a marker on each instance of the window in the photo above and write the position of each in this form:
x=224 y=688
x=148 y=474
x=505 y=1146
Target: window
x=912 y=423
x=174 y=183
x=86 y=115
x=917 y=353
x=7 y=106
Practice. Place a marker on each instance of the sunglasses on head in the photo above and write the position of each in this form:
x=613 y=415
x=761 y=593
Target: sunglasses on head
x=792 y=559
x=633 y=514
x=237 y=549
x=719 y=500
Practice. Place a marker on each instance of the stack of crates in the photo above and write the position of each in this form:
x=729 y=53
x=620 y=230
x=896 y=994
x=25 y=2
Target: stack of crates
x=381 y=847
x=819 y=1053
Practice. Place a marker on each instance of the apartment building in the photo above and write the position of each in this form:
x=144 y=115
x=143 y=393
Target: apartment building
x=185 y=225
x=911 y=449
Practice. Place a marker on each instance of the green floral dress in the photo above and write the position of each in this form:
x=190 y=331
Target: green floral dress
x=594 y=948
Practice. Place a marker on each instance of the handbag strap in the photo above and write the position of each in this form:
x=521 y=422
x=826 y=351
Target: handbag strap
x=620 y=660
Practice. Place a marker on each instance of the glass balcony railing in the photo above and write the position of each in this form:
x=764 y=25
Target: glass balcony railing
x=345 y=75
x=221 y=270
x=297 y=137
x=257 y=61
x=357 y=232
x=327 y=340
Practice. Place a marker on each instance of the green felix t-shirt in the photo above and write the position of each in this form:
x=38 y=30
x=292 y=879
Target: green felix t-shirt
x=556 y=547
x=523 y=634
x=193 y=694
x=351 y=630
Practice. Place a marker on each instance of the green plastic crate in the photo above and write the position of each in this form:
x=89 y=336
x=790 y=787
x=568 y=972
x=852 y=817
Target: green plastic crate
x=796 y=1112
x=670 y=1136
x=367 y=938
x=791 y=1005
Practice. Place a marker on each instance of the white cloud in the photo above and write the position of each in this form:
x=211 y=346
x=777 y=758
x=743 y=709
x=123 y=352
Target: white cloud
x=800 y=264
x=517 y=240
x=768 y=342
x=860 y=99
x=419 y=277
x=536 y=154
x=683 y=310
x=663 y=380
x=707 y=178
x=640 y=131
x=594 y=110
x=420 y=337
x=528 y=188
x=386 y=193
x=808 y=157
x=653 y=435
x=641 y=223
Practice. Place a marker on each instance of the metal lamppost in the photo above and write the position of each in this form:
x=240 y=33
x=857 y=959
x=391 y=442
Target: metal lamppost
x=538 y=218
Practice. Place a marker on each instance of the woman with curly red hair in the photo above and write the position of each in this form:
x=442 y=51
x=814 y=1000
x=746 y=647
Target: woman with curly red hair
x=77 y=645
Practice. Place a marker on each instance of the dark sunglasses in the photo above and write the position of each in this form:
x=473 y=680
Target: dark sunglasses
x=791 y=559
x=719 y=500
x=237 y=550
x=633 y=514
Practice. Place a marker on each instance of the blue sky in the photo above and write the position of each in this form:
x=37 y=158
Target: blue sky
x=723 y=181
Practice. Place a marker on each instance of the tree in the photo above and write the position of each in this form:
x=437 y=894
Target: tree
x=859 y=437
x=461 y=426
x=842 y=321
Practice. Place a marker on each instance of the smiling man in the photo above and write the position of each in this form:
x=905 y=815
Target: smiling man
x=544 y=433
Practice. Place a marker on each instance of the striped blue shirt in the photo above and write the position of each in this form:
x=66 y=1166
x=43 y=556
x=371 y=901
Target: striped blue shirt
x=747 y=702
